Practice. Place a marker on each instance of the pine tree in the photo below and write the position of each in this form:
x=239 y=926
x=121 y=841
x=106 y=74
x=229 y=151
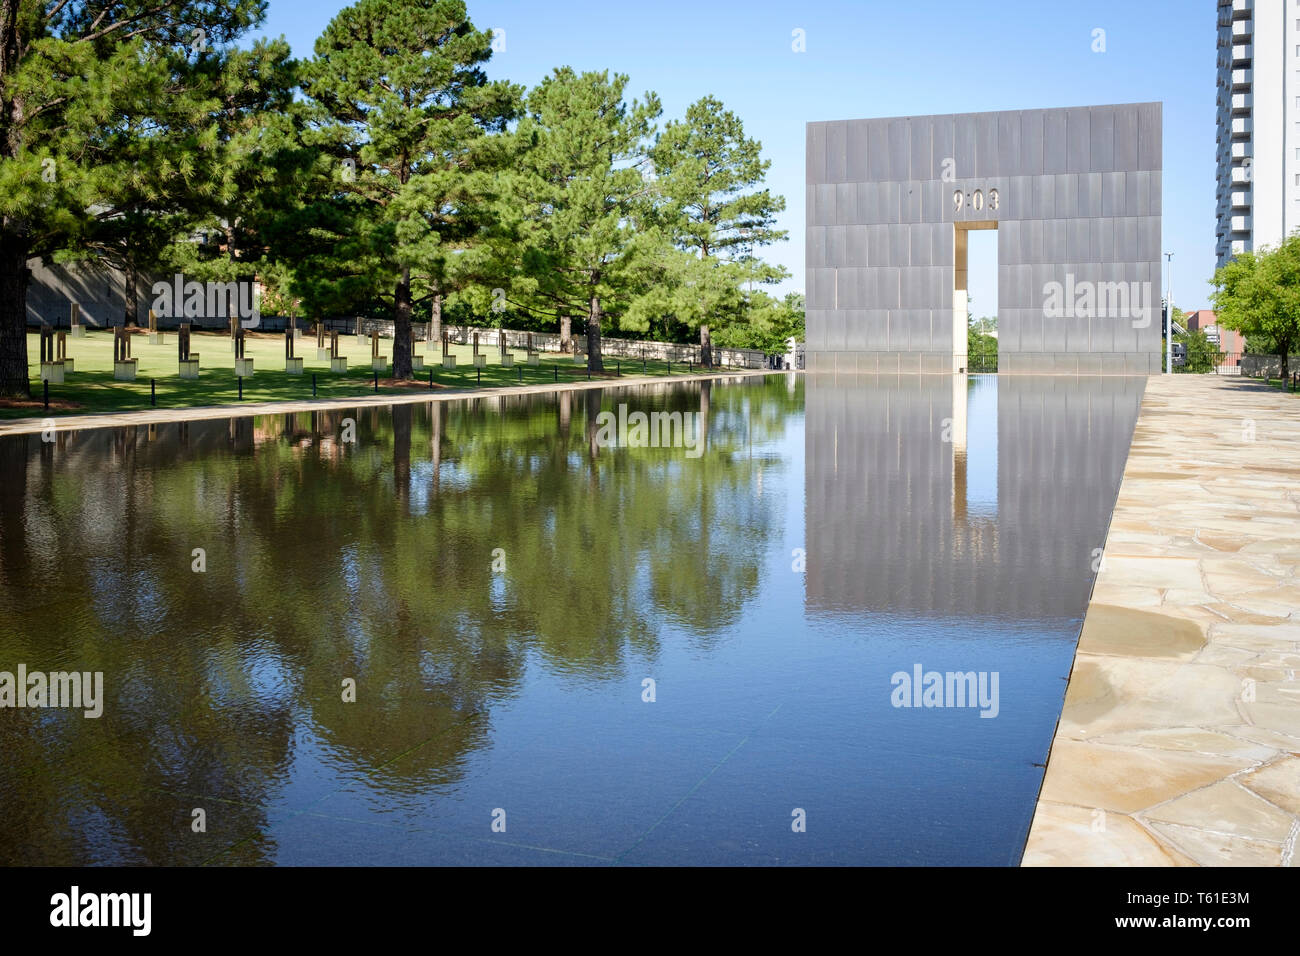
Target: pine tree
x=708 y=173
x=401 y=111
x=578 y=195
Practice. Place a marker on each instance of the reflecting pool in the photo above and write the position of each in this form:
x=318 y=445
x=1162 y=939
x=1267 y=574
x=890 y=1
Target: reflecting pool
x=497 y=631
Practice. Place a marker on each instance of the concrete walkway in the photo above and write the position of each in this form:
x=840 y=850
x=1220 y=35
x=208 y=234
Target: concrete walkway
x=406 y=396
x=1179 y=741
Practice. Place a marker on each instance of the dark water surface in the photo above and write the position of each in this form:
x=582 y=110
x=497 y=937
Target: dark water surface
x=835 y=531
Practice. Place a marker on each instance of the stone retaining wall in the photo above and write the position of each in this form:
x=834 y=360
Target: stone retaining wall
x=1257 y=366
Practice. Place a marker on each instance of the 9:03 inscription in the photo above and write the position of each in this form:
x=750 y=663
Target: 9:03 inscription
x=974 y=200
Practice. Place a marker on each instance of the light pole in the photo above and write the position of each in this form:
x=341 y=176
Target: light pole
x=1169 y=313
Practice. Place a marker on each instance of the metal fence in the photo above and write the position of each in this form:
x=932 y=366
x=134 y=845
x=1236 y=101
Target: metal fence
x=982 y=360
x=1200 y=363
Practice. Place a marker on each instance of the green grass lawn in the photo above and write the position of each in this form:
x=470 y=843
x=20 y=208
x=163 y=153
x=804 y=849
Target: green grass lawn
x=1278 y=383
x=91 y=387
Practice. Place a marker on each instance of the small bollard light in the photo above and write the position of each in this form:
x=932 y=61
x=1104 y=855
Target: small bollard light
x=618 y=369
x=557 y=373
x=153 y=392
x=376 y=381
x=240 y=380
x=521 y=375
x=430 y=378
x=313 y=384
x=46 y=383
x=478 y=375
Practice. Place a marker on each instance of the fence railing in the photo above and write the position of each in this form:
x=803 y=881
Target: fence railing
x=1201 y=363
x=543 y=341
x=610 y=347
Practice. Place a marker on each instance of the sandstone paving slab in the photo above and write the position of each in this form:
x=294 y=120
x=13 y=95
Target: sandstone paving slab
x=1282 y=717
x=1155 y=571
x=1127 y=596
x=1278 y=782
x=1208 y=848
x=1130 y=779
x=1109 y=629
x=1087 y=836
x=1192 y=740
x=1112 y=693
x=1226 y=807
x=1284 y=743
x=1239 y=615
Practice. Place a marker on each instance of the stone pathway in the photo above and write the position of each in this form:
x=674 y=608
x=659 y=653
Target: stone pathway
x=406 y=396
x=1179 y=741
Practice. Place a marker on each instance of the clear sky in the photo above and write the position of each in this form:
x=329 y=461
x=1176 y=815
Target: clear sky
x=866 y=59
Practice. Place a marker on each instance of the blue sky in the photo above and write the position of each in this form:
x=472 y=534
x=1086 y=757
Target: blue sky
x=865 y=59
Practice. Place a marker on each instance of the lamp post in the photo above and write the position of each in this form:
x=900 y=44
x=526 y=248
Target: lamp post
x=1169 y=314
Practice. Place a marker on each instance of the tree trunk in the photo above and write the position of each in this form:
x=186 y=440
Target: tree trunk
x=566 y=335
x=402 y=453
x=593 y=412
x=13 y=318
x=1286 y=369
x=437 y=414
x=706 y=404
x=435 y=319
x=17 y=560
x=593 y=336
x=706 y=348
x=129 y=316
x=402 y=327
x=564 y=406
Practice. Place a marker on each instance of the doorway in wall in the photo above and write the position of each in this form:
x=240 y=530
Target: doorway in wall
x=975 y=297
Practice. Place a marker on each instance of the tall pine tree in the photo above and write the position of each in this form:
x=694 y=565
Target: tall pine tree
x=401 y=109
x=709 y=175
x=579 y=195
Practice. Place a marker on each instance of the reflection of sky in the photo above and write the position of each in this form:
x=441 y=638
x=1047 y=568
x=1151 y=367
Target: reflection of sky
x=497 y=592
x=268 y=677
x=982 y=446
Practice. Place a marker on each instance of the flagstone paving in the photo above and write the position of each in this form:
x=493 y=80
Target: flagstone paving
x=1179 y=740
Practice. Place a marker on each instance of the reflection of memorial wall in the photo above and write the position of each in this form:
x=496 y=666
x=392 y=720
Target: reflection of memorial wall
x=887 y=526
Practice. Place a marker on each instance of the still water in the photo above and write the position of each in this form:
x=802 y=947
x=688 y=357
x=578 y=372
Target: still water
x=482 y=634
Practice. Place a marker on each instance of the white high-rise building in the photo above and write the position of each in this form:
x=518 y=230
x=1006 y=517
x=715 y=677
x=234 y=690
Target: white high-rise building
x=1258 y=124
